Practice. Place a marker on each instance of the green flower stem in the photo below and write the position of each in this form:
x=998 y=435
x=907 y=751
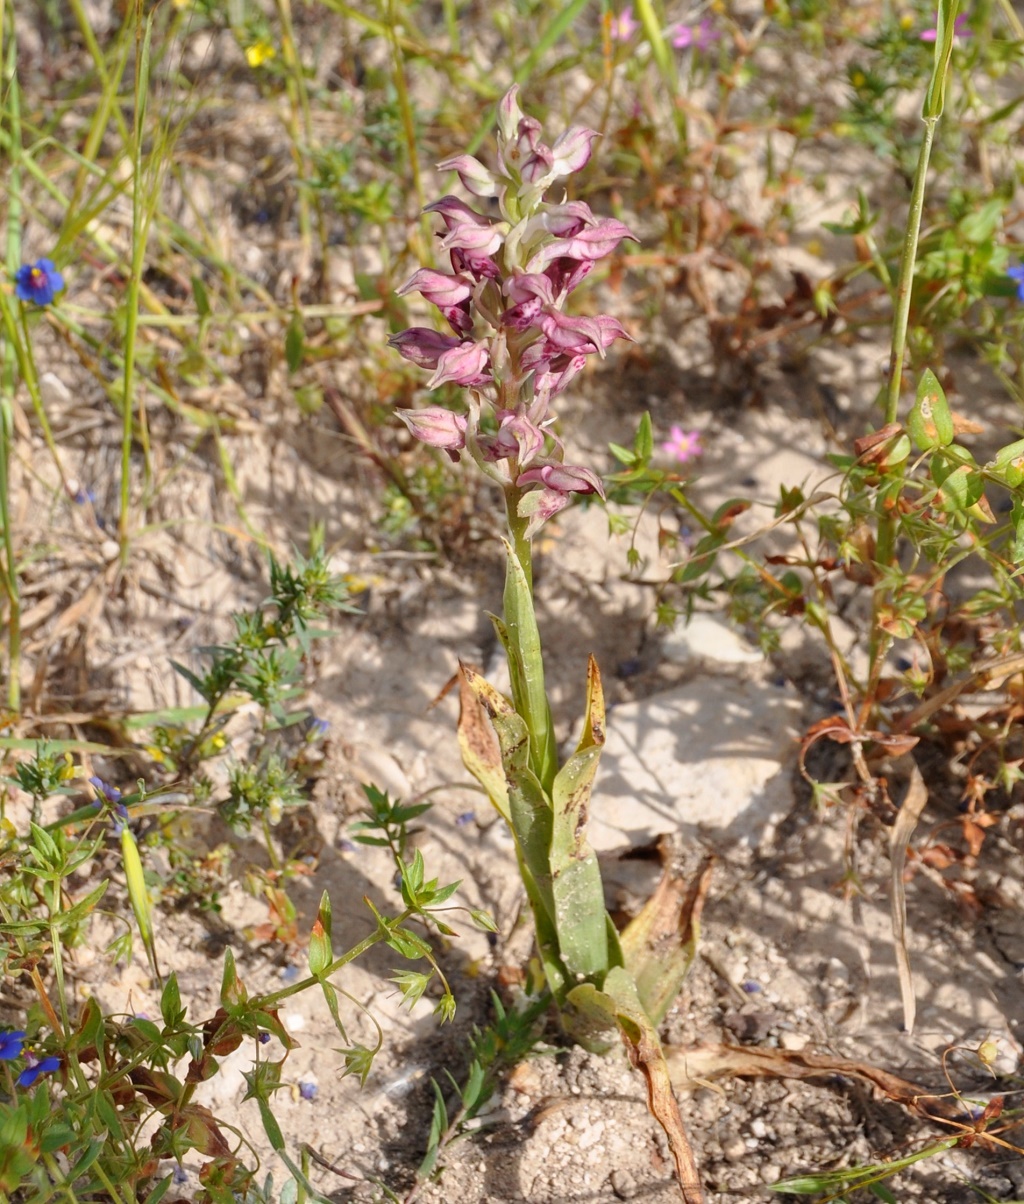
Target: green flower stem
x=11 y=585
x=889 y=496
x=901 y=317
x=140 y=232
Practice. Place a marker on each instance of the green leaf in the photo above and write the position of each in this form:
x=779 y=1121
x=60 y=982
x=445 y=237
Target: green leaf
x=270 y=1125
x=321 y=953
x=643 y=442
x=577 y=890
x=170 y=1002
x=202 y=298
x=232 y=990
x=331 y=996
x=521 y=640
x=1009 y=463
x=930 y=422
x=407 y=943
x=294 y=343
x=961 y=485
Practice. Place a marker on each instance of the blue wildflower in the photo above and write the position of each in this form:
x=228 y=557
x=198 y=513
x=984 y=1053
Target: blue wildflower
x=466 y=818
x=45 y=1066
x=316 y=728
x=307 y=1090
x=1016 y=274
x=10 y=1044
x=110 y=793
x=38 y=282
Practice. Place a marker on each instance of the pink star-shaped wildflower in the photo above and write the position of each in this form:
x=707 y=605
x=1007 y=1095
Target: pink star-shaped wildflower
x=960 y=30
x=699 y=36
x=624 y=26
x=682 y=445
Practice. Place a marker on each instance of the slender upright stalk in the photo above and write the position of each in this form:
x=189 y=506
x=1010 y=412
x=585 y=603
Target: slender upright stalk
x=139 y=231
x=885 y=549
x=7 y=383
x=905 y=282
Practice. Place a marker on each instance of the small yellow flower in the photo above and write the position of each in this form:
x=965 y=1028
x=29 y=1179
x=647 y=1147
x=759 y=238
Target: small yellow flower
x=259 y=52
x=858 y=79
x=907 y=21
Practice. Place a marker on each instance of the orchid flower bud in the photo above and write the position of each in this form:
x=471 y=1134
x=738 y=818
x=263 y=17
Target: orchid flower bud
x=538 y=506
x=464 y=364
x=436 y=426
x=592 y=243
x=509 y=115
x=456 y=212
x=439 y=288
x=474 y=176
x=422 y=346
x=572 y=150
x=564 y=478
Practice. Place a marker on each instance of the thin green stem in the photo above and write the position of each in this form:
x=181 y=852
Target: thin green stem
x=139 y=230
x=904 y=285
x=11 y=585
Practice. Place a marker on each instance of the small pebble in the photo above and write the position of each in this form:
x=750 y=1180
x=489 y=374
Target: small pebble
x=623 y=1184
x=734 y=1148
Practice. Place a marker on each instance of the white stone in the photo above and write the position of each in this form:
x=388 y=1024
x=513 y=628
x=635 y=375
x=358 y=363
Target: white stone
x=711 y=756
x=708 y=638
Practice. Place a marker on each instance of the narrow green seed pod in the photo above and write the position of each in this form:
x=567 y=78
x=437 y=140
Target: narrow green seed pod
x=137 y=893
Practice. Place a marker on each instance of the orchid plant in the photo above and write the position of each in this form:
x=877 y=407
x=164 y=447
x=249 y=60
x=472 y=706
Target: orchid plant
x=514 y=346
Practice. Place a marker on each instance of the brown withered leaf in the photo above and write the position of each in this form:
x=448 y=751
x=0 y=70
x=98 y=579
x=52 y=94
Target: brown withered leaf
x=660 y=943
x=899 y=837
x=871 y=447
x=694 y=1066
x=966 y=426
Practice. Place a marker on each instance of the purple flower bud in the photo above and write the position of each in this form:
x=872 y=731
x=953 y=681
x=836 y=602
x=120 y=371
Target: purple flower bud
x=538 y=168
x=516 y=438
x=538 y=506
x=105 y=790
x=464 y=364
x=563 y=221
x=464 y=236
x=592 y=243
x=436 y=426
x=572 y=150
x=564 y=478
x=422 y=346
x=566 y=274
x=509 y=114
x=529 y=286
x=456 y=213
x=572 y=334
x=548 y=383
x=439 y=288
x=474 y=176
x=480 y=267
x=523 y=147
x=307 y=1090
